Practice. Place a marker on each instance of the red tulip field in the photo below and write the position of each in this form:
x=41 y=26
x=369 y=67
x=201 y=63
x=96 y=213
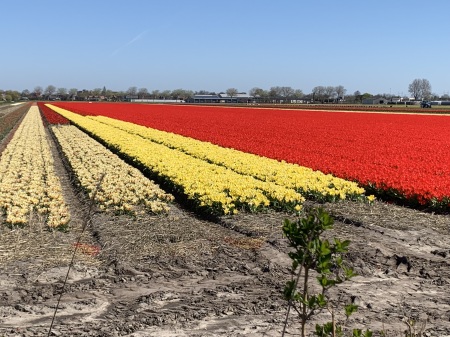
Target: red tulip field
x=404 y=157
x=124 y=219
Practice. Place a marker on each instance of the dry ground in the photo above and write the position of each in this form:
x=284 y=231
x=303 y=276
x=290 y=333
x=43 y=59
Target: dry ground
x=181 y=275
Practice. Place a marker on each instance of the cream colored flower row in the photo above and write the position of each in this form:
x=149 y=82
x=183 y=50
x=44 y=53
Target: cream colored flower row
x=215 y=187
x=304 y=180
x=123 y=189
x=28 y=182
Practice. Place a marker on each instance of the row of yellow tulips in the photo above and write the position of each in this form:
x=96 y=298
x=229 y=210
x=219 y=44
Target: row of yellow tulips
x=216 y=188
x=123 y=189
x=305 y=180
x=28 y=182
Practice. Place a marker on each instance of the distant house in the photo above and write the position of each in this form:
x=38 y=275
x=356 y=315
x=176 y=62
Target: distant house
x=373 y=101
x=220 y=98
x=206 y=98
x=395 y=100
x=131 y=98
x=239 y=98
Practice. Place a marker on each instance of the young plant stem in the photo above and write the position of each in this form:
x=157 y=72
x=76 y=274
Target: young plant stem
x=305 y=299
x=290 y=300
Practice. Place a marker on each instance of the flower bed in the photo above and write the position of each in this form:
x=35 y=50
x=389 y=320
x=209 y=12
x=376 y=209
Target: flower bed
x=213 y=188
x=28 y=183
x=401 y=157
x=50 y=116
x=123 y=189
x=313 y=184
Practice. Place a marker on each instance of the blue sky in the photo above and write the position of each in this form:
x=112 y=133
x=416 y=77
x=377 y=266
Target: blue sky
x=371 y=46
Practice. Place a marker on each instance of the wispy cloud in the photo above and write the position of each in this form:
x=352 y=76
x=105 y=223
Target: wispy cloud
x=133 y=40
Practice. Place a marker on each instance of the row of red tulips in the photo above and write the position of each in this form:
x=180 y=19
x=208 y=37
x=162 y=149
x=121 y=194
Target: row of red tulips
x=50 y=116
x=401 y=156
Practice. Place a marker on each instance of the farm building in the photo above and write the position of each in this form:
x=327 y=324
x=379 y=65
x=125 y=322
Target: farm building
x=379 y=100
x=220 y=98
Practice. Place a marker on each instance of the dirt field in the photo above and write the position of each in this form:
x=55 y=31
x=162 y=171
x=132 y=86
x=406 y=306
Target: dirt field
x=180 y=275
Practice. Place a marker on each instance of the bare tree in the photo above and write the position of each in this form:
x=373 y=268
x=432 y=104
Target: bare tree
x=329 y=92
x=318 y=93
x=259 y=94
x=426 y=89
x=181 y=94
x=165 y=94
x=50 y=90
x=155 y=94
x=142 y=92
x=38 y=91
x=25 y=93
x=420 y=89
x=109 y=94
x=298 y=94
x=132 y=91
x=414 y=88
x=275 y=93
x=340 y=92
x=73 y=93
x=286 y=92
x=203 y=92
x=97 y=92
x=62 y=93
x=232 y=92
x=358 y=96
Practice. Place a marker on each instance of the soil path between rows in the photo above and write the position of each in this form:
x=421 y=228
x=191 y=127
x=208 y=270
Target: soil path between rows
x=183 y=276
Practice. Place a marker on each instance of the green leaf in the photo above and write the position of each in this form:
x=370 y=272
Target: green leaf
x=323 y=281
x=321 y=300
x=324 y=330
x=357 y=333
x=325 y=248
x=349 y=273
x=350 y=309
x=289 y=290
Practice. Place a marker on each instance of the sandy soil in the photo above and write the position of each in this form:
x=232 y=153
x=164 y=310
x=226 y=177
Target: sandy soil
x=181 y=275
x=184 y=276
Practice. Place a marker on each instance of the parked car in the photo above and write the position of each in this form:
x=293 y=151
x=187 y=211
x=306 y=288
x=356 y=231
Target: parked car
x=425 y=104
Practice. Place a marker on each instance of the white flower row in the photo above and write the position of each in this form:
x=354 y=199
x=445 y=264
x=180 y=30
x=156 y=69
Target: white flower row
x=124 y=189
x=28 y=182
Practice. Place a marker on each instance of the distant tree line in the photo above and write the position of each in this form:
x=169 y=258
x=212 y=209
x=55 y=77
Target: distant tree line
x=419 y=89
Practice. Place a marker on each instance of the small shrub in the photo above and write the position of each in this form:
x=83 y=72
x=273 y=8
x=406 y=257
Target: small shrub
x=311 y=252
